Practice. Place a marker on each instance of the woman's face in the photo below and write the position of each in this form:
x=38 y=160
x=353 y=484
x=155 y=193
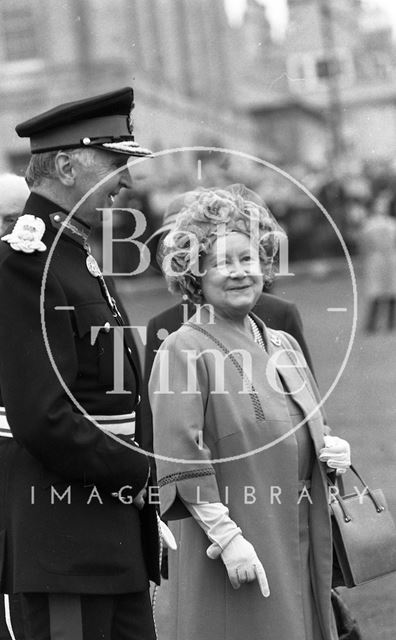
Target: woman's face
x=233 y=281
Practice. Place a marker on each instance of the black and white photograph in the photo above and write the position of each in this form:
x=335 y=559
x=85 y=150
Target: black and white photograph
x=197 y=319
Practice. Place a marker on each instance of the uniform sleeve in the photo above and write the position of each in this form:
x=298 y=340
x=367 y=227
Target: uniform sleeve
x=183 y=457
x=146 y=430
x=38 y=366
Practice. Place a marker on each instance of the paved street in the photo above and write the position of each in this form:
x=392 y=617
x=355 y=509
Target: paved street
x=362 y=406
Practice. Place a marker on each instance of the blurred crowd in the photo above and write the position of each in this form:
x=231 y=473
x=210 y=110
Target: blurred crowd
x=347 y=193
x=359 y=199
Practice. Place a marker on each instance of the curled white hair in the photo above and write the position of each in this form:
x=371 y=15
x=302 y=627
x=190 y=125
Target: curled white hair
x=204 y=215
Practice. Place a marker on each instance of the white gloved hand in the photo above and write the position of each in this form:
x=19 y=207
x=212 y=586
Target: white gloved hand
x=241 y=562
x=168 y=539
x=336 y=453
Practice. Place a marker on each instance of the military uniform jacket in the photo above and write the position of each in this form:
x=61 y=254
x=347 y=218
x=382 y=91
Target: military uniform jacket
x=61 y=529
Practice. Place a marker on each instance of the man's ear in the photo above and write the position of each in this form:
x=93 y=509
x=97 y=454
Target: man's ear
x=65 y=169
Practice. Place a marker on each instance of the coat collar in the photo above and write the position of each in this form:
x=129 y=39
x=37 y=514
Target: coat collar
x=55 y=217
x=288 y=361
x=41 y=207
x=291 y=366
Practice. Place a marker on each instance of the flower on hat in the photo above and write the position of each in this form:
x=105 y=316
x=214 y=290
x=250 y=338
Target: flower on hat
x=202 y=217
x=214 y=207
x=26 y=235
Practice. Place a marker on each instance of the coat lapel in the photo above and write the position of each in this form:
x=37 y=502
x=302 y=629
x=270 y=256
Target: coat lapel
x=289 y=365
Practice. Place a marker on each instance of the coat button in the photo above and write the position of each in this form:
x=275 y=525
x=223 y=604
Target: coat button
x=107 y=327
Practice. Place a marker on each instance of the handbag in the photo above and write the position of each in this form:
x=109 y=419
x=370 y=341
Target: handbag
x=347 y=627
x=364 y=534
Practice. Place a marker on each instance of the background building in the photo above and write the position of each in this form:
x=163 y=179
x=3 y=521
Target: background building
x=178 y=54
x=330 y=86
x=199 y=81
x=320 y=102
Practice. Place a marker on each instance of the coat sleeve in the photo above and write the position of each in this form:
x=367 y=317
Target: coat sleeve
x=38 y=366
x=146 y=427
x=183 y=458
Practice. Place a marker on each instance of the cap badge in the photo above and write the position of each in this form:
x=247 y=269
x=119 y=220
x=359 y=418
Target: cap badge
x=93 y=266
x=276 y=341
x=26 y=235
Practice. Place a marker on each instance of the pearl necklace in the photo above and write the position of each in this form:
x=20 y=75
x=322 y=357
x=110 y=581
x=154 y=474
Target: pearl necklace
x=257 y=337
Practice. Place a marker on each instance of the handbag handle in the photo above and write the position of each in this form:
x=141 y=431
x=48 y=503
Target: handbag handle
x=339 y=484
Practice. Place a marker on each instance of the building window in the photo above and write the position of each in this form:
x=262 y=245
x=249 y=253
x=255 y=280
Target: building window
x=18 y=30
x=327 y=68
x=373 y=66
x=312 y=70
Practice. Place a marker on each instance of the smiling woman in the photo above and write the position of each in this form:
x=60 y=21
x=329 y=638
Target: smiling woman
x=232 y=279
x=199 y=239
x=235 y=412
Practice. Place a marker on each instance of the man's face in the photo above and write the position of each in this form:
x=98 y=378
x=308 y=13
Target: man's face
x=6 y=220
x=88 y=177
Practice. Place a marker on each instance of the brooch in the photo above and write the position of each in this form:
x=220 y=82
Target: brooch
x=26 y=235
x=93 y=266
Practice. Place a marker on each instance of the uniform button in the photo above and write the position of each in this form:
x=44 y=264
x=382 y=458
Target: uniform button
x=57 y=218
x=107 y=327
x=129 y=350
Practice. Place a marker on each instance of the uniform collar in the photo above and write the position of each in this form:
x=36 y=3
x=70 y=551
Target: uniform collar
x=41 y=207
x=72 y=228
x=55 y=217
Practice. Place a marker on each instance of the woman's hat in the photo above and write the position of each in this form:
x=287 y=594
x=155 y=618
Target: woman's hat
x=182 y=201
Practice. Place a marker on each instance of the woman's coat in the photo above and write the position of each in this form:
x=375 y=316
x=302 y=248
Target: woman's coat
x=230 y=439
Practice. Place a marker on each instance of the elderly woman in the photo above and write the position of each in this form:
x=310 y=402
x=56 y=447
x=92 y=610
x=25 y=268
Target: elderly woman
x=240 y=440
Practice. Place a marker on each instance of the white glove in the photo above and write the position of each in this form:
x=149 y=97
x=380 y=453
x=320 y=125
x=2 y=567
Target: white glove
x=336 y=453
x=241 y=562
x=168 y=539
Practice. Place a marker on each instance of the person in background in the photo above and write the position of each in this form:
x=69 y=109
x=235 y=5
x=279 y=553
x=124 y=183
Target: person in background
x=78 y=540
x=235 y=412
x=378 y=249
x=13 y=194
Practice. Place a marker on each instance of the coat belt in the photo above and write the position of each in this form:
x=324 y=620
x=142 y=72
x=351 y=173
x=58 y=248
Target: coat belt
x=119 y=424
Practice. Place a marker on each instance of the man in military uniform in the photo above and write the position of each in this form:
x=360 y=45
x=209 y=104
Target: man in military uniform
x=78 y=540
